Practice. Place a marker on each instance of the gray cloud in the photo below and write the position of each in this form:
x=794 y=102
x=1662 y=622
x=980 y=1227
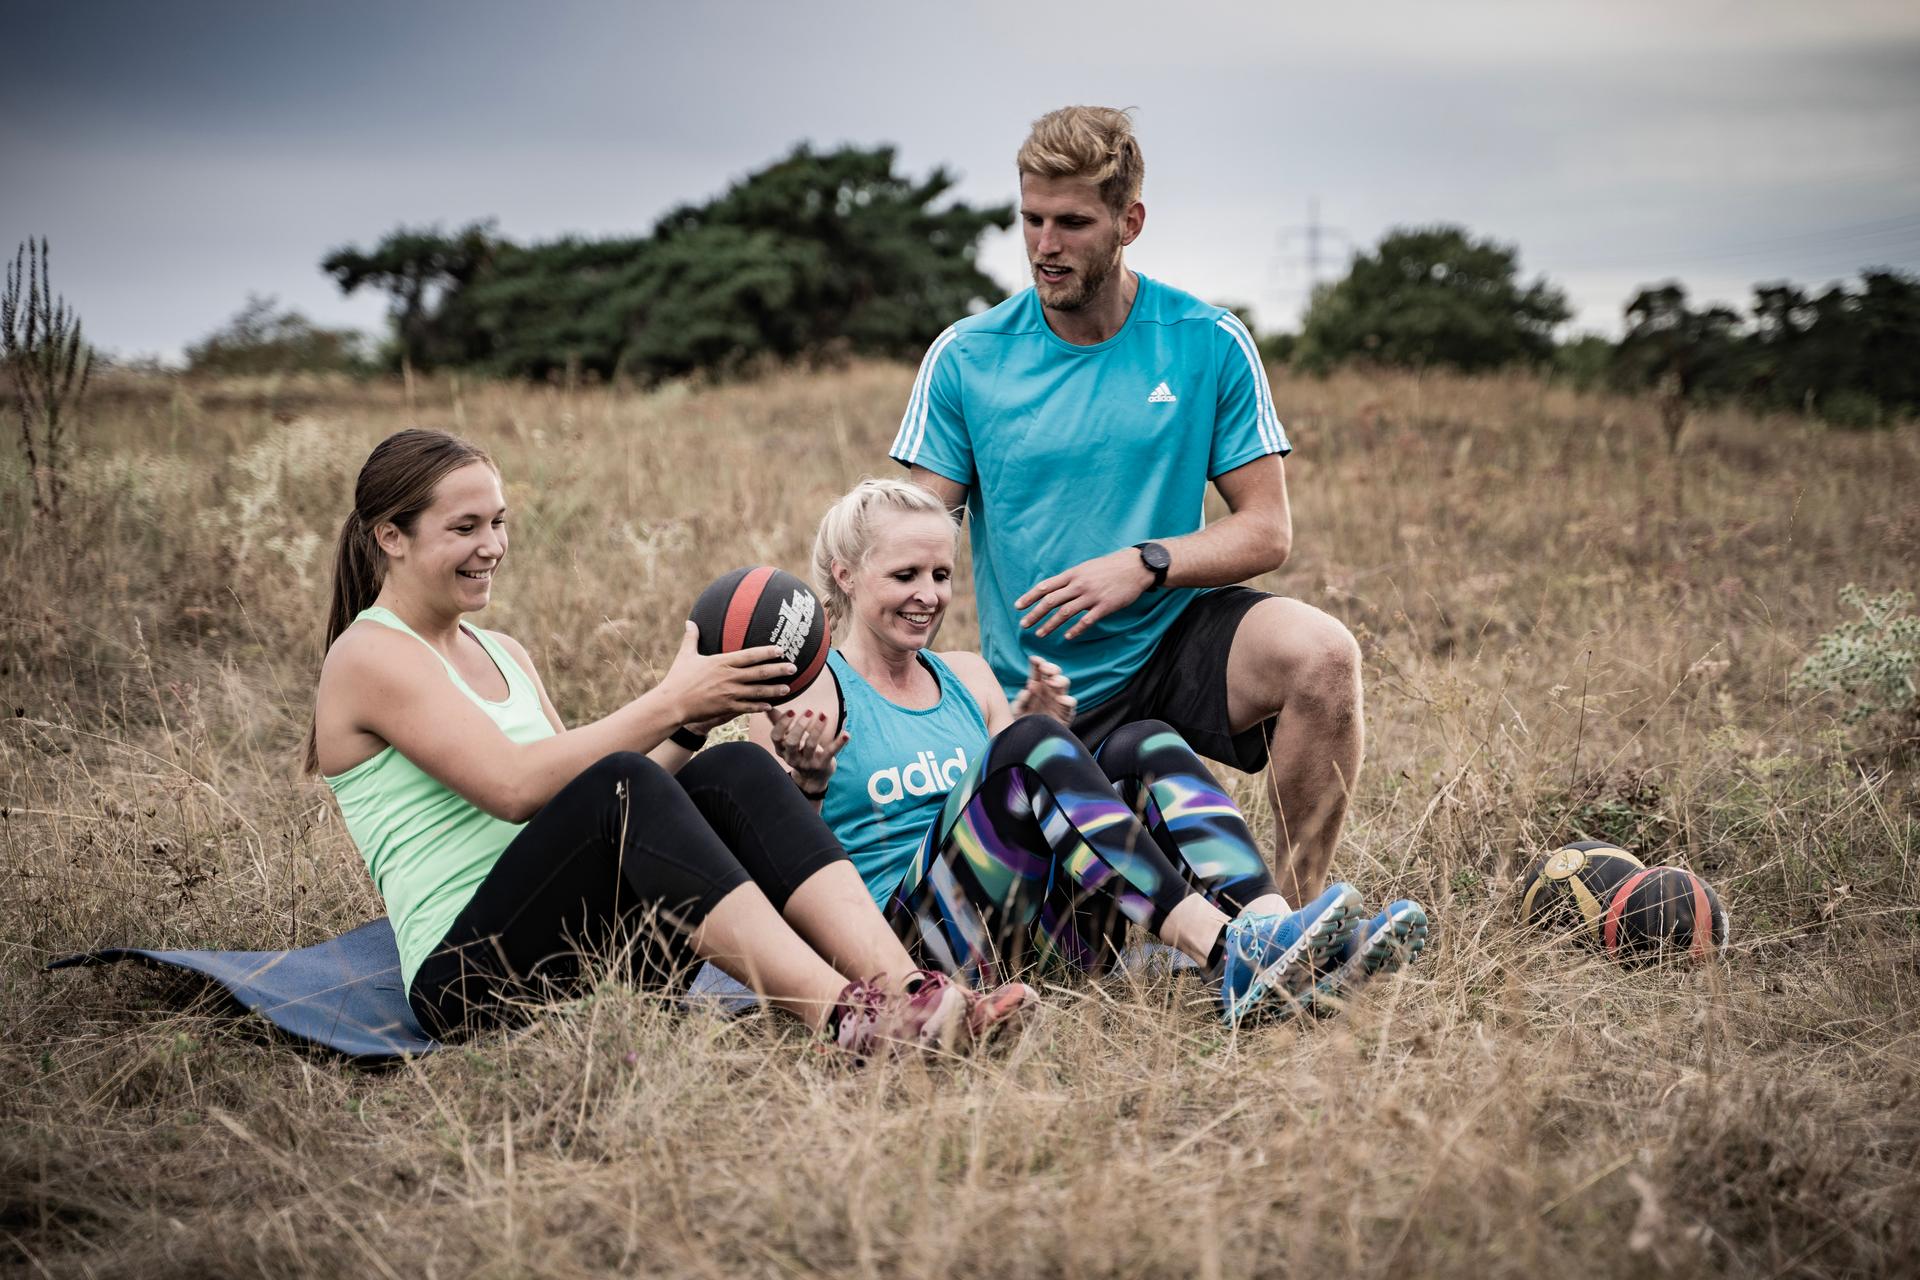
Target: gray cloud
x=181 y=155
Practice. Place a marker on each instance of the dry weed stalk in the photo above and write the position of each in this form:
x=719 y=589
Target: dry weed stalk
x=49 y=365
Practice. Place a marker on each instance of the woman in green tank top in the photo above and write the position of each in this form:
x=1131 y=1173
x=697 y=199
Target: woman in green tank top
x=512 y=850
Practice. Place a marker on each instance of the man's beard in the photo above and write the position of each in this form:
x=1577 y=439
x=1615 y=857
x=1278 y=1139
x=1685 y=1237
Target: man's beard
x=1083 y=286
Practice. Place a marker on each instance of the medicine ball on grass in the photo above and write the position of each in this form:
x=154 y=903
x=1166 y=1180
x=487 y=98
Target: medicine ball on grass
x=761 y=605
x=1664 y=911
x=1569 y=888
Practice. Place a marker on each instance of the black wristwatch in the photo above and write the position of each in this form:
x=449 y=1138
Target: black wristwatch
x=1155 y=557
x=685 y=737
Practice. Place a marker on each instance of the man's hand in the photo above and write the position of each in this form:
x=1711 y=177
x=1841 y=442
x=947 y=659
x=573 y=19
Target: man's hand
x=1046 y=693
x=1097 y=587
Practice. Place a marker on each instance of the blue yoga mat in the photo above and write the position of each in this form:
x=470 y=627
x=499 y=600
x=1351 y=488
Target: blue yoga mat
x=344 y=994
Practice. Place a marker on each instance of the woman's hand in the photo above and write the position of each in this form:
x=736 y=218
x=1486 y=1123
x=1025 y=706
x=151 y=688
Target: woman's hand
x=714 y=688
x=807 y=745
x=1046 y=693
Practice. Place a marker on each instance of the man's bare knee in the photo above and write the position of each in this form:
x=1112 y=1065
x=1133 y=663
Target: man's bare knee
x=1318 y=666
x=1292 y=657
x=1327 y=677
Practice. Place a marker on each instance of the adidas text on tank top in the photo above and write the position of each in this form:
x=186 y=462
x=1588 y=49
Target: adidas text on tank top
x=896 y=769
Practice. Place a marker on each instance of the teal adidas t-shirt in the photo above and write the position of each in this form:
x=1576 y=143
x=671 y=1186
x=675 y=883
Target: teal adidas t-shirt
x=1071 y=452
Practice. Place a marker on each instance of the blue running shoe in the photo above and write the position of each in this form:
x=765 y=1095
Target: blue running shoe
x=1283 y=953
x=1389 y=941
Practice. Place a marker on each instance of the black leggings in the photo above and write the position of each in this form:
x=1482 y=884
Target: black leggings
x=626 y=860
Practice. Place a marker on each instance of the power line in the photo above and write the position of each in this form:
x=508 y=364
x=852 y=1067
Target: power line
x=1317 y=240
x=1896 y=234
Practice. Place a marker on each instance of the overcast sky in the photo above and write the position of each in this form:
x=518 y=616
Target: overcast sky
x=181 y=155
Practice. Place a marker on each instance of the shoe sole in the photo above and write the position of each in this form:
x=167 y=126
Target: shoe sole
x=1297 y=965
x=1393 y=946
x=993 y=1019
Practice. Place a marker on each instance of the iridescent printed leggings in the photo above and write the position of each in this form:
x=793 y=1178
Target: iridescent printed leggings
x=1043 y=847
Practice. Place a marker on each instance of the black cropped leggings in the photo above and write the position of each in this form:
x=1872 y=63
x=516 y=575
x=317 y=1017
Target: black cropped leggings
x=626 y=860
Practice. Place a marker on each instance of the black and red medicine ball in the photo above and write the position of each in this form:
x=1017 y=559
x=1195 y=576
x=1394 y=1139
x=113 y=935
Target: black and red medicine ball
x=1570 y=887
x=762 y=605
x=1664 y=910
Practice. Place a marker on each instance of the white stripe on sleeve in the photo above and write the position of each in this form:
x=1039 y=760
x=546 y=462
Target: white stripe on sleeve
x=1266 y=417
x=913 y=426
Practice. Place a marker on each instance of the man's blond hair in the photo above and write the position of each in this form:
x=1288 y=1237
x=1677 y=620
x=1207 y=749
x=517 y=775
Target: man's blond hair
x=1087 y=142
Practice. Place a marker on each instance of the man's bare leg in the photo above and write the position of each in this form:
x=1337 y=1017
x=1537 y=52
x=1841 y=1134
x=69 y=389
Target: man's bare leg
x=1300 y=667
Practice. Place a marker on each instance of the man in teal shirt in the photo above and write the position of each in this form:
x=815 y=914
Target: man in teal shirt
x=1079 y=424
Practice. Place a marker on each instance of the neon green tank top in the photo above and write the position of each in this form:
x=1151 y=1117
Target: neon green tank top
x=426 y=846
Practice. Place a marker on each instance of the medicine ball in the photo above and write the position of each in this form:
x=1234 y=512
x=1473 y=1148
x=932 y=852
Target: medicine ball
x=1664 y=910
x=762 y=605
x=1570 y=887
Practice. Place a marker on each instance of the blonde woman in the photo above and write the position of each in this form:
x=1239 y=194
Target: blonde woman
x=985 y=830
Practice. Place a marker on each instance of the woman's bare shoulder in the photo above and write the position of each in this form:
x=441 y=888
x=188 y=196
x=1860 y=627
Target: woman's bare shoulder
x=367 y=652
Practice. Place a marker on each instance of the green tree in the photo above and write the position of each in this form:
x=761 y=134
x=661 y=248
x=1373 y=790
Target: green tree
x=261 y=338
x=1685 y=355
x=1433 y=296
x=819 y=251
x=423 y=272
x=1852 y=356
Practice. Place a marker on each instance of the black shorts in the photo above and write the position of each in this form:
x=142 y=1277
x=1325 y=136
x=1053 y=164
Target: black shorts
x=1184 y=682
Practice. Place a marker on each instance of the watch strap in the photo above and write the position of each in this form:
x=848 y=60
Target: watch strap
x=1159 y=572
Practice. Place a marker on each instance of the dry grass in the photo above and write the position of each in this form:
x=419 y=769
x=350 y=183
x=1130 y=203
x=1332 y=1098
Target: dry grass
x=1567 y=633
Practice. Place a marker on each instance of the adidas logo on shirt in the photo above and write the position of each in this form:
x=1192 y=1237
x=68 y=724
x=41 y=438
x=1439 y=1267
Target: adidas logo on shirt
x=926 y=776
x=1162 y=394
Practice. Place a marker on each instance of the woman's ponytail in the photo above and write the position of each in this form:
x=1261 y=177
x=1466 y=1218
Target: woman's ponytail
x=358 y=566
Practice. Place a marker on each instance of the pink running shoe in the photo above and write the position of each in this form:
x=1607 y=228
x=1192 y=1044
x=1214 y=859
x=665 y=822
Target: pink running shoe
x=1006 y=1006
x=874 y=1023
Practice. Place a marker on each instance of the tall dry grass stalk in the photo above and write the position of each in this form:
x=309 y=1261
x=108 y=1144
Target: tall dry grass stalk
x=1552 y=651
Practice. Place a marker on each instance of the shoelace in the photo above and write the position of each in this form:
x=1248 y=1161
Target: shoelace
x=859 y=1003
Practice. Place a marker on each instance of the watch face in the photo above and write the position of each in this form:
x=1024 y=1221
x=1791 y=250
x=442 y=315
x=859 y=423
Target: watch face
x=1155 y=557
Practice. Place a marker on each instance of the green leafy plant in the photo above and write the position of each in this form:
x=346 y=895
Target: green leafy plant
x=1871 y=661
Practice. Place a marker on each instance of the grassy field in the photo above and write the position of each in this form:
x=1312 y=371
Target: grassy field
x=1568 y=633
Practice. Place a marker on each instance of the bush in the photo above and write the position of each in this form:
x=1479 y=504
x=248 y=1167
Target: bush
x=260 y=339
x=1854 y=410
x=1872 y=661
x=1583 y=362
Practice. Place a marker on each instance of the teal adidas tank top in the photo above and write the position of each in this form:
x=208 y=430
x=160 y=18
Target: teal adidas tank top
x=426 y=846
x=896 y=769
